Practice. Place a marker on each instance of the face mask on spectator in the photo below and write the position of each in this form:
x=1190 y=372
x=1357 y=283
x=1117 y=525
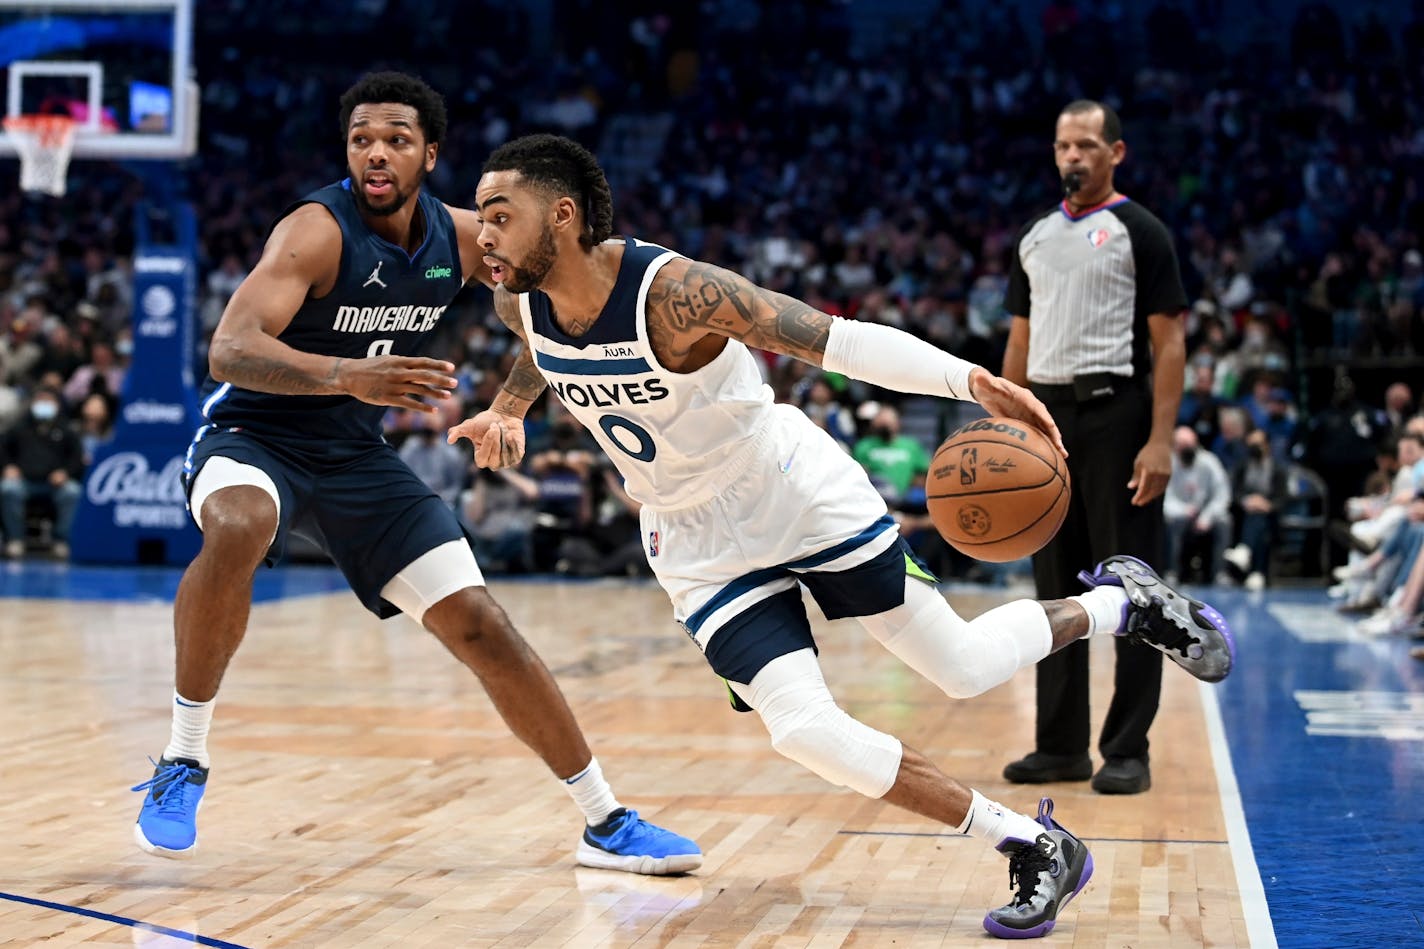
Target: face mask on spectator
x=1258 y=452
x=884 y=432
x=1188 y=456
x=124 y=347
x=44 y=411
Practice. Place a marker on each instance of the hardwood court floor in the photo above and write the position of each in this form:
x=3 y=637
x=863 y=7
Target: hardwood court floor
x=365 y=794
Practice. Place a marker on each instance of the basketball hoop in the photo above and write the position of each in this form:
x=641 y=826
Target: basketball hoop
x=43 y=143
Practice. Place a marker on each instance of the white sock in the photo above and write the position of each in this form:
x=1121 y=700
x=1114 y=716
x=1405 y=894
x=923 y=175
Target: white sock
x=1107 y=609
x=992 y=821
x=189 y=738
x=592 y=794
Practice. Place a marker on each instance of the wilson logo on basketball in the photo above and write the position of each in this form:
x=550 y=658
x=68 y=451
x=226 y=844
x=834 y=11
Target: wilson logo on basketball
x=984 y=425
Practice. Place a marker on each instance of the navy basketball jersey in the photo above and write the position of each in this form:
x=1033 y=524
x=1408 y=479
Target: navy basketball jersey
x=670 y=434
x=384 y=302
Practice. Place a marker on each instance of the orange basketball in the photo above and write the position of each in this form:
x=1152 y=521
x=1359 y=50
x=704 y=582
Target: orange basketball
x=997 y=489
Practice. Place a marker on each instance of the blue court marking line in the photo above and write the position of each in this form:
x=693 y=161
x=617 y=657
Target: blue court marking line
x=123 y=921
x=1255 y=910
x=1096 y=840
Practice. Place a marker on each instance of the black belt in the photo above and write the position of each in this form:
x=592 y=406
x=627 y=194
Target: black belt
x=1086 y=388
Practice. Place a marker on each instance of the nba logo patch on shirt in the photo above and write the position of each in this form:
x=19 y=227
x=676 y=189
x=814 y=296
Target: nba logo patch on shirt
x=654 y=543
x=1098 y=236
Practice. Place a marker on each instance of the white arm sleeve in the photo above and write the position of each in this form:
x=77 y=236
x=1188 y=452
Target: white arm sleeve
x=893 y=359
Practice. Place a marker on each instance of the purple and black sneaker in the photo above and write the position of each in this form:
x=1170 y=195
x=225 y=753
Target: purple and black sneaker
x=1189 y=632
x=1048 y=871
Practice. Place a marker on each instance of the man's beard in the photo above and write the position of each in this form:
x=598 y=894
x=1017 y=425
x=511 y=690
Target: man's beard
x=536 y=266
x=386 y=210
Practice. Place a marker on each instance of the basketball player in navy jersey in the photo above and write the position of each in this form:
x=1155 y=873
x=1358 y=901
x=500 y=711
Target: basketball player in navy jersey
x=743 y=498
x=311 y=349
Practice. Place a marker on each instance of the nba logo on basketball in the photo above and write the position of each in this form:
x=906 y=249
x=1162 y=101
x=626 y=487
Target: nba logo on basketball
x=653 y=543
x=1098 y=236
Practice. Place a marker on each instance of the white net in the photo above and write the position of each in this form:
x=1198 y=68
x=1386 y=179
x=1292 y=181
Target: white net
x=44 y=143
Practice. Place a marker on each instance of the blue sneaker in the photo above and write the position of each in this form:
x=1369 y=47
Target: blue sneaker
x=1186 y=630
x=627 y=842
x=168 y=821
x=1049 y=871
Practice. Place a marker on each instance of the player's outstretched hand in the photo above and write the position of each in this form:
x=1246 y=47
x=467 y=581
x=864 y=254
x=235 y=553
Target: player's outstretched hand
x=498 y=438
x=407 y=382
x=999 y=396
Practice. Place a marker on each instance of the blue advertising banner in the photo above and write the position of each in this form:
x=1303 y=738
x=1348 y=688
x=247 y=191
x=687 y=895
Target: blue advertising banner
x=133 y=508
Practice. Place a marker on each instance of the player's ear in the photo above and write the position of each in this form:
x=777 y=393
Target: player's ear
x=565 y=212
x=431 y=150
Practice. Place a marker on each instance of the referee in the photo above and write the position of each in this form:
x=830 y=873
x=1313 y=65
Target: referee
x=1095 y=295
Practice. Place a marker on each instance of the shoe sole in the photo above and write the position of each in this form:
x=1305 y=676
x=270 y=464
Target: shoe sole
x=590 y=856
x=148 y=846
x=996 y=928
x=1196 y=616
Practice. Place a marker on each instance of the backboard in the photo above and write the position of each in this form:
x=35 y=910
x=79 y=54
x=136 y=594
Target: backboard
x=120 y=68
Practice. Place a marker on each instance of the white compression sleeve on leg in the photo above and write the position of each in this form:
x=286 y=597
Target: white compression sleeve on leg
x=962 y=658
x=895 y=360
x=807 y=726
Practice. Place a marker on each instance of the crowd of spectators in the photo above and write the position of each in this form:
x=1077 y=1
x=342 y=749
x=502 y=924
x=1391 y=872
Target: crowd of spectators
x=878 y=173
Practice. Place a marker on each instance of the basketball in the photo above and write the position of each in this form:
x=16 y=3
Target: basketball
x=997 y=489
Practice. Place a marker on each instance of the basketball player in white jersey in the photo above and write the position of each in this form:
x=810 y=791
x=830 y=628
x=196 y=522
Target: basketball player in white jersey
x=744 y=498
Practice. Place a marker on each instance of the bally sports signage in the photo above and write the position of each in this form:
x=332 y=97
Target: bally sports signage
x=133 y=508
x=137 y=494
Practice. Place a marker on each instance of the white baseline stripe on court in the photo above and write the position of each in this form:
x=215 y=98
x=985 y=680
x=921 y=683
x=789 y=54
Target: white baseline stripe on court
x=1248 y=876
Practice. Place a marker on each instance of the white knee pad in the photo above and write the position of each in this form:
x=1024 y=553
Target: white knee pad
x=963 y=658
x=807 y=726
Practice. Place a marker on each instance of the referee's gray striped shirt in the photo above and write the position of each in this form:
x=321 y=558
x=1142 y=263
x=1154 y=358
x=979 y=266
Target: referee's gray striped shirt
x=1087 y=285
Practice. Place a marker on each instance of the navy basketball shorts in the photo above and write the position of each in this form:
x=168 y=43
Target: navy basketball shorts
x=357 y=501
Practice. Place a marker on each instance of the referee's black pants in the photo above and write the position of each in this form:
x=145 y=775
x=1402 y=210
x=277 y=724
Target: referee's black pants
x=1103 y=437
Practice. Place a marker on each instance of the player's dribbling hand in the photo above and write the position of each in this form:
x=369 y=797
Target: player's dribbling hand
x=407 y=382
x=498 y=438
x=1001 y=397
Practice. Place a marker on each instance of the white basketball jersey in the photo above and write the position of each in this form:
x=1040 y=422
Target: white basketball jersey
x=670 y=434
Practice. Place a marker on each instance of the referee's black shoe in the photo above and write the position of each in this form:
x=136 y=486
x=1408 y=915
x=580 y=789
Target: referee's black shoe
x=1043 y=768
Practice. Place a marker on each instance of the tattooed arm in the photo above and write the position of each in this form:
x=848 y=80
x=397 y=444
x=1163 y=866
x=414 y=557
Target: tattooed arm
x=690 y=301
x=302 y=258
x=525 y=382
x=498 y=432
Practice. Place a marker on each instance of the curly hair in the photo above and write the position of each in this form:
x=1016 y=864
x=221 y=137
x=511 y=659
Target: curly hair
x=397 y=87
x=561 y=166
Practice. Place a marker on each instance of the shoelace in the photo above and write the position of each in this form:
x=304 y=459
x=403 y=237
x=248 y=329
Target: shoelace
x=1024 y=869
x=167 y=786
x=1153 y=618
